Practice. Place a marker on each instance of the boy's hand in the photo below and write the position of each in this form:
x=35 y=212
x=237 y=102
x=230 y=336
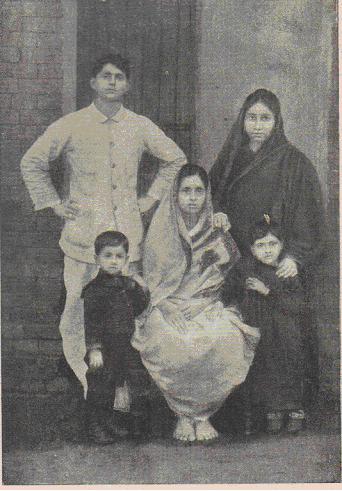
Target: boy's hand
x=95 y=359
x=287 y=268
x=67 y=209
x=257 y=285
x=221 y=221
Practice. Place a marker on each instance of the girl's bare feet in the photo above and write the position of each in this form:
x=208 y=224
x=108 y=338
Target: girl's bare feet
x=185 y=430
x=204 y=430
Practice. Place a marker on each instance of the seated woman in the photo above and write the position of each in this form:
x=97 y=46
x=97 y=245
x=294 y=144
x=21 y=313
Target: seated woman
x=196 y=350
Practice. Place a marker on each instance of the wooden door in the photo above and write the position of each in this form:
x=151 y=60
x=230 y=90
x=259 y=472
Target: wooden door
x=158 y=37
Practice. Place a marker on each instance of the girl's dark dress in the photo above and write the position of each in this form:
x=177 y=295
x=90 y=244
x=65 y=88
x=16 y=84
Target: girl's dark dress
x=275 y=379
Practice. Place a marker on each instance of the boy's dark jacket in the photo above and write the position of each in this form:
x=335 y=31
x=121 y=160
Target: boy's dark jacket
x=111 y=304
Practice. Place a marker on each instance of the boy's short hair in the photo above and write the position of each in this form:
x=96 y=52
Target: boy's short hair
x=260 y=229
x=111 y=238
x=114 y=59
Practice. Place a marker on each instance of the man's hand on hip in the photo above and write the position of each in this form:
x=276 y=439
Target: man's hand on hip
x=67 y=209
x=146 y=203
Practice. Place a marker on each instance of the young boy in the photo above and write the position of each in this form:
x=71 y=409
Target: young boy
x=274 y=305
x=111 y=302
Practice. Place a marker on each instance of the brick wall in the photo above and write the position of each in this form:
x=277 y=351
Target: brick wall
x=31 y=98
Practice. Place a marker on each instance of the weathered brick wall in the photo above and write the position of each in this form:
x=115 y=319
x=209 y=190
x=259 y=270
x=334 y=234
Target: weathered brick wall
x=31 y=98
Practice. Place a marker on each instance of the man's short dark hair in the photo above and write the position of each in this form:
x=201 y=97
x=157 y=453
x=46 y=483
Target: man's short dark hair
x=114 y=59
x=111 y=238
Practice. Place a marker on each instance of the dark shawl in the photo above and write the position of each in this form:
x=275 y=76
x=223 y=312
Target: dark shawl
x=277 y=179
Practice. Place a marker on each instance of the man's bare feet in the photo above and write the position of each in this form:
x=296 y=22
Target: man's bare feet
x=204 y=430
x=185 y=430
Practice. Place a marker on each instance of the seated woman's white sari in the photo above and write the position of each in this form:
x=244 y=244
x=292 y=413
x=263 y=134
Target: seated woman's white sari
x=196 y=368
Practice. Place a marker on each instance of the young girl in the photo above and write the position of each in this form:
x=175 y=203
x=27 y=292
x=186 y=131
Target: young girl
x=275 y=305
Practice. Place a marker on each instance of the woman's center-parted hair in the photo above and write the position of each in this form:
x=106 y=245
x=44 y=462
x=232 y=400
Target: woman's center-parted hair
x=267 y=98
x=192 y=170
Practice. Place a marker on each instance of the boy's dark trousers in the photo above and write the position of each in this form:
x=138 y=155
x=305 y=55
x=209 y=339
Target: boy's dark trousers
x=101 y=418
x=100 y=398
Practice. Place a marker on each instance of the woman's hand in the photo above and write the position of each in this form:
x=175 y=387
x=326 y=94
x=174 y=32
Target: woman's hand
x=189 y=312
x=138 y=279
x=172 y=315
x=257 y=285
x=221 y=221
x=287 y=268
x=95 y=359
x=67 y=209
x=215 y=312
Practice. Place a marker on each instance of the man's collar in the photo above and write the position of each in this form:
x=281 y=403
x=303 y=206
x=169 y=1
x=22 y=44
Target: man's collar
x=99 y=117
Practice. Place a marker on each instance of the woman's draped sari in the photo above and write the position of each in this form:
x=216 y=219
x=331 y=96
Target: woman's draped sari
x=196 y=367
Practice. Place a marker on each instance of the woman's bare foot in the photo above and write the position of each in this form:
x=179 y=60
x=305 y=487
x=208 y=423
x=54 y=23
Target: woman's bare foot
x=204 y=430
x=185 y=430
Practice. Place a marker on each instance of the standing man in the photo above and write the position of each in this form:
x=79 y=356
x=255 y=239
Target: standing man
x=102 y=145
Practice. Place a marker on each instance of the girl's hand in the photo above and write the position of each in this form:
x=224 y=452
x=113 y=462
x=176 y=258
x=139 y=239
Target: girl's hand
x=221 y=221
x=287 y=268
x=95 y=359
x=257 y=285
x=173 y=316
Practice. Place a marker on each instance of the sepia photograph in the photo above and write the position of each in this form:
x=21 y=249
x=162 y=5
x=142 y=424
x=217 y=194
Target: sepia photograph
x=170 y=242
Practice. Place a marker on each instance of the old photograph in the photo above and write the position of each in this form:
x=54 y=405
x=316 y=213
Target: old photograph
x=170 y=242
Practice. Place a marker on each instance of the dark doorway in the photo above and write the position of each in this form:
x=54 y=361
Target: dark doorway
x=158 y=36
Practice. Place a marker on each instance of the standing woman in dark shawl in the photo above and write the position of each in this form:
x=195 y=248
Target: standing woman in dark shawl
x=259 y=172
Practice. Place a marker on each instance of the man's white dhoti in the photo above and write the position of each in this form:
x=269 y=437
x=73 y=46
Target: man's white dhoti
x=76 y=275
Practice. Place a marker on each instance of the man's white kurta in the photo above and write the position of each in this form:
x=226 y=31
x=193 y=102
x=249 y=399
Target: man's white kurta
x=103 y=157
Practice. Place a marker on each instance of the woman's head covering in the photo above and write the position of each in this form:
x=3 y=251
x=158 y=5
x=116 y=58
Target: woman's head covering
x=168 y=245
x=238 y=138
